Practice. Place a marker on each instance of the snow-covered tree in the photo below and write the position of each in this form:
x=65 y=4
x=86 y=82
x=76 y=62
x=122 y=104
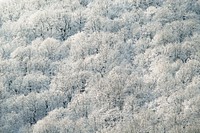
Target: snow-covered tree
x=98 y=66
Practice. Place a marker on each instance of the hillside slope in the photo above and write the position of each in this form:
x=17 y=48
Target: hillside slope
x=100 y=66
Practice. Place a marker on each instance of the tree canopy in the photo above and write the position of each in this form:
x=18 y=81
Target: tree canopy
x=99 y=66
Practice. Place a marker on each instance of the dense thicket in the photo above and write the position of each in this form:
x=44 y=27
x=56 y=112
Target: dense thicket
x=86 y=66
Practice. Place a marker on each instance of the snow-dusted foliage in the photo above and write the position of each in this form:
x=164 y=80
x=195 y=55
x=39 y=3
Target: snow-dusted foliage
x=100 y=66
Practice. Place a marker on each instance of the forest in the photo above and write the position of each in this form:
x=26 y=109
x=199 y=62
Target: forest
x=100 y=66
